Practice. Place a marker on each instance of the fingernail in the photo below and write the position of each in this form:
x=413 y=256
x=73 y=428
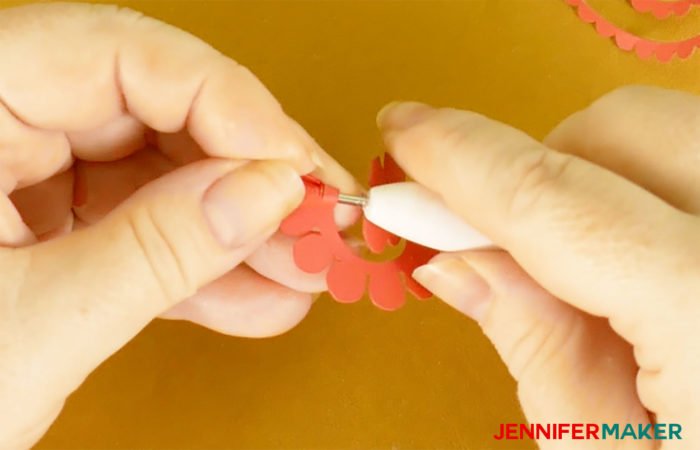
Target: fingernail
x=457 y=284
x=402 y=115
x=252 y=201
x=304 y=164
x=311 y=158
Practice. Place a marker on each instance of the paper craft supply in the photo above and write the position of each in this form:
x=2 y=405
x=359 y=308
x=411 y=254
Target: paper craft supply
x=663 y=9
x=320 y=247
x=416 y=214
x=644 y=48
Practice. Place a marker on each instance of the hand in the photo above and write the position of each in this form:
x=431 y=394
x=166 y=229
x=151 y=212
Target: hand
x=153 y=131
x=595 y=308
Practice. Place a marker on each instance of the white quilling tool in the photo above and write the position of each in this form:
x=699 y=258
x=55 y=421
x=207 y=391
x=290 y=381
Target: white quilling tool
x=416 y=214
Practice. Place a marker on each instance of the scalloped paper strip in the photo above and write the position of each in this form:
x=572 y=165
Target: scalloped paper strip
x=320 y=247
x=662 y=10
x=644 y=48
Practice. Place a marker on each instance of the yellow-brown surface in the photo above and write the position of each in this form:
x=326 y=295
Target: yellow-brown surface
x=353 y=376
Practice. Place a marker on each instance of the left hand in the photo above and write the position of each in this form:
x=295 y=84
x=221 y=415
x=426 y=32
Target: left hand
x=125 y=188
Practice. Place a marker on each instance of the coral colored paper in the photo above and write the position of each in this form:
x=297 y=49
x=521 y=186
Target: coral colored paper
x=663 y=9
x=644 y=48
x=321 y=247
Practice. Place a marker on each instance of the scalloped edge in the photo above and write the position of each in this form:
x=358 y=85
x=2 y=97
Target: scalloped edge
x=315 y=218
x=663 y=10
x=644 y=48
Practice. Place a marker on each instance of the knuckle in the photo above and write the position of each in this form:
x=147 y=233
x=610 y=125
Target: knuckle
x=620 y=97
x=658 y=387
x=531 y=356
x=128 y=17
x=651 y=393
x=539 y=175
x=455 y=127
x=160 y=255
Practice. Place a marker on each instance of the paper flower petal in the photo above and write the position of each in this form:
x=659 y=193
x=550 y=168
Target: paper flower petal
x=386 y=290
x=312 y=254
x=346 y=282
x=320 y=246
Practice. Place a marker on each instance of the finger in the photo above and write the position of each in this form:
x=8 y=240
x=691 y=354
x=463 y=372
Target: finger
x=181 y=149
x=566 y=362
x=243 y=303
x=160 y=75
x=116 y=139
x=275 y=261
x=13 y=231
x=646 y=134
x=61 y=230
x=28 y=155
x=275 y=258
x=582 y=232
x=331 y=172
x=106 y=185
x=93 y=290
x=101 y=187
x=46 y=207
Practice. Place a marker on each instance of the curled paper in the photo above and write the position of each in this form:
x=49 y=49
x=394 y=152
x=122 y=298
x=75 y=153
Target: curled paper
x=320 y=247
x=644 y=48
x=663 y=9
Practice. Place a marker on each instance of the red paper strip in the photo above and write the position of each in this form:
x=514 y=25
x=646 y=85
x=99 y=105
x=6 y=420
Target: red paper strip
x=320 y=247
x=644 y=48
x=663 y=9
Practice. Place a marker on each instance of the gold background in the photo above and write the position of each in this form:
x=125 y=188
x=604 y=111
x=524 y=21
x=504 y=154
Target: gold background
x=353 y=376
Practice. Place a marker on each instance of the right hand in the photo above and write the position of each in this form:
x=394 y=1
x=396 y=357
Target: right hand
x=595 y=308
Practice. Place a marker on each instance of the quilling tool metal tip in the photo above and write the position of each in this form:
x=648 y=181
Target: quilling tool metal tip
x=355 y=200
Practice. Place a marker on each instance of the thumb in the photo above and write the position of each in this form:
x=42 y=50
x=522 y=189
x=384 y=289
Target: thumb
x=570 y=366
x=93 y=290
x=583 y=232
